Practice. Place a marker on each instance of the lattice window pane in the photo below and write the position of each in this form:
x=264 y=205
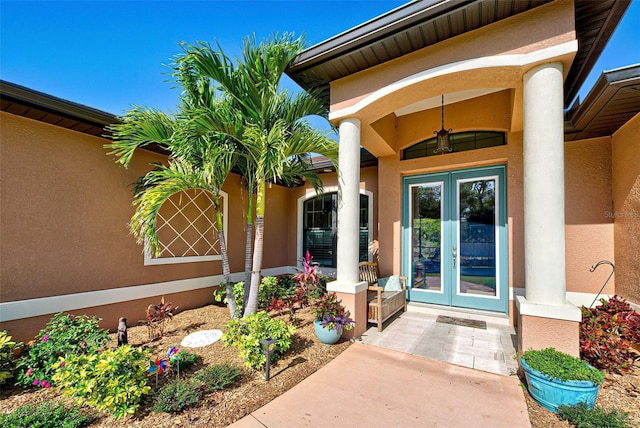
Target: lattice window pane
x=186 y=226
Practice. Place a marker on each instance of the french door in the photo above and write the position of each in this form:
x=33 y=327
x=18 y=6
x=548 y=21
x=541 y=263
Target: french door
x=455 y=238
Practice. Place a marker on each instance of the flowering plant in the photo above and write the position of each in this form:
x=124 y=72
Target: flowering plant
x=64 y=334
x=308 y=275
x=335 y=322
x=331 y=314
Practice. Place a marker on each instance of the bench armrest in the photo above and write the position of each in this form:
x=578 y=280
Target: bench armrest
x=403 y=282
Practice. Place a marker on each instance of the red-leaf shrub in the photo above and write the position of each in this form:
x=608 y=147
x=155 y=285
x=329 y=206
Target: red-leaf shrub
x=606 y=334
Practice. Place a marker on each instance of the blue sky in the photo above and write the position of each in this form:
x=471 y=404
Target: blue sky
x=110 y=54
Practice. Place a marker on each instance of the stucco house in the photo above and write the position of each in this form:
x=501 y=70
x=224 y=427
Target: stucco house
x=526 y=189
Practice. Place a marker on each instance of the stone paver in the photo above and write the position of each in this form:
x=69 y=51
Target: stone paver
x=418 y=333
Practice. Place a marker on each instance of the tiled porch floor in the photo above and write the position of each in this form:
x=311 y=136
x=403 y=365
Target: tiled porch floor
x=417 y=332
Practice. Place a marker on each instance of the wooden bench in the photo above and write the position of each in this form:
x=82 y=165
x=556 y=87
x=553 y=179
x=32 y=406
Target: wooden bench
x=381 y=304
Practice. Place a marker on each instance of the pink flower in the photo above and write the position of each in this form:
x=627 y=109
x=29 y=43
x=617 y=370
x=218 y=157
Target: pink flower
x=45 y=338
x=47 y=385
x=35 y=382
x=62 y=364
x=29 y=372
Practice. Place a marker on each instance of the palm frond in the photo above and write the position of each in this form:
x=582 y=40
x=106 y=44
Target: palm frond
x=140 y=127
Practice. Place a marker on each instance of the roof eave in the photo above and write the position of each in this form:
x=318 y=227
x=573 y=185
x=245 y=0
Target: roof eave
x=583 y=114
x=46 y=102
x=577 y=76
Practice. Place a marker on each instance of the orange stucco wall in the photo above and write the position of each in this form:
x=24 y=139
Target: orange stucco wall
x=541 y=333
x=626 y=208
x=277 y=241
x=588 y=229
x=65 y=209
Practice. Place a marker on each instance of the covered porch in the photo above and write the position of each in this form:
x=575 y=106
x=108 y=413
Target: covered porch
x=514 y=75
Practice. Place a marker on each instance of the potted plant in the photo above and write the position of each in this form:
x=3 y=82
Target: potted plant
x=331 y=319
x=555 y=378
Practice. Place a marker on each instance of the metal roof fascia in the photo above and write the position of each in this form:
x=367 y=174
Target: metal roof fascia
x=604 y=88
x=614 y=18
x=372 y=30
x=56 y=105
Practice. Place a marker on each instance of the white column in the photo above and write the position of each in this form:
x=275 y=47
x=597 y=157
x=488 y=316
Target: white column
x=348 y=201
x=350 y=290
x=544 y=239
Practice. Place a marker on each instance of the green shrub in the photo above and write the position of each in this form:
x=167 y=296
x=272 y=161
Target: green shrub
x=181 y=394
x=583 y=417
x=112 y=381
x=7 y=358
x=246 y=333
x=561 y=366
x=268 y=290
x=178 y=395
x=287 y=286
x=63 y=335
x=187 y=359
x=46 y=415
x=218 y=377
x=220 y=294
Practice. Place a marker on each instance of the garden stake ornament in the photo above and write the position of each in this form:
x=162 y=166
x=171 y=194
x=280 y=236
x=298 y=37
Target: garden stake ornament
x=159 y=366
x=593 y=268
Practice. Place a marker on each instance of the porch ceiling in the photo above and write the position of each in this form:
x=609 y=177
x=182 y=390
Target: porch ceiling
x=424 y=23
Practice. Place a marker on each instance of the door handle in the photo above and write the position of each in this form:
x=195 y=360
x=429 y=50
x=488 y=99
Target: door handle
x=455 y=255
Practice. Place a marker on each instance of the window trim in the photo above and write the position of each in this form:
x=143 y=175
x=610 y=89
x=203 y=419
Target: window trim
x=153 y=261
x=300 y=221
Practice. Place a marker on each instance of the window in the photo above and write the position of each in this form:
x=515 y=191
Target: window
x=320 y=226
x=186 y=229
x=460 y=142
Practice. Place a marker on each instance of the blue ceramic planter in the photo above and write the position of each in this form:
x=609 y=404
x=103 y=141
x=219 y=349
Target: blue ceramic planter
x=551 y=393
x=325 y=335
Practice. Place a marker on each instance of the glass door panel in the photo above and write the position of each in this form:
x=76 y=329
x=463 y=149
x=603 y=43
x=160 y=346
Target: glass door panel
x=476 y=236
x=426 y=235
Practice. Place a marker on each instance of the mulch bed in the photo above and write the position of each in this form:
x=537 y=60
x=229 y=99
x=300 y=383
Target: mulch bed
x=251 y=392
x=220 y=408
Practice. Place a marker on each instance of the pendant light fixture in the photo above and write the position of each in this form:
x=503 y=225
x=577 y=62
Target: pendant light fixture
x=444 y=143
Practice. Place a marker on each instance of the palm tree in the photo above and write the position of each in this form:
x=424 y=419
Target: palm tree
x=196 y=161
x=267 y=121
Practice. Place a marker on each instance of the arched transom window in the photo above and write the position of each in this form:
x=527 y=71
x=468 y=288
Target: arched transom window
x=460 y=142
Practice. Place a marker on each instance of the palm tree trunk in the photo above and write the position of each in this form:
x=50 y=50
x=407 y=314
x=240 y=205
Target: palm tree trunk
x=226 y=270
x=247 y=252
x=252 y=300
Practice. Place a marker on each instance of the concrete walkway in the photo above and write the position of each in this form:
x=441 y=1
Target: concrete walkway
x=369 y=386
